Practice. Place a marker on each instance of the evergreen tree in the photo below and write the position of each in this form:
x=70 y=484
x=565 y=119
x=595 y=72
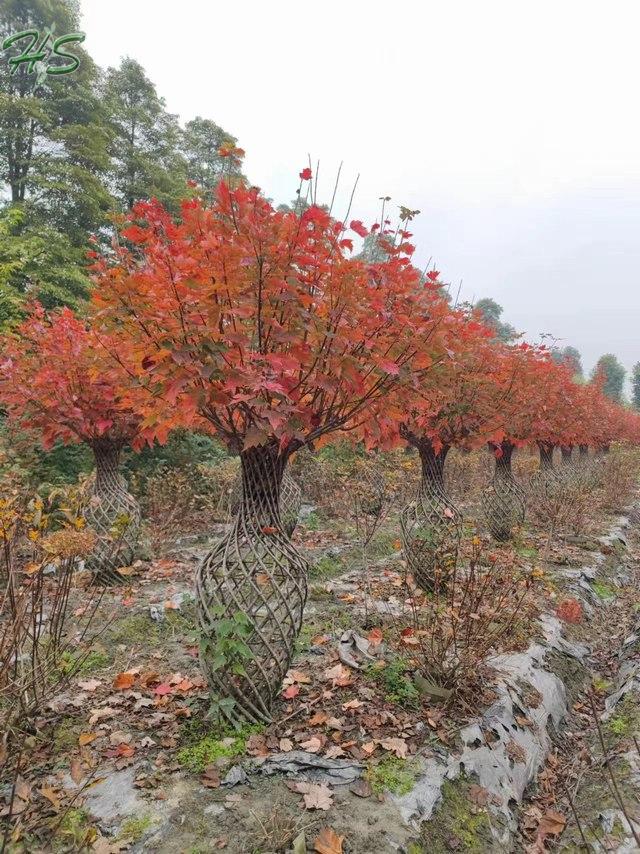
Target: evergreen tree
x=614 y=375
x=37 y=260
x=491 y=312
x=211 y=154
x=53 y=137
x=635 y=386
x=570 y=356
x=145 y=146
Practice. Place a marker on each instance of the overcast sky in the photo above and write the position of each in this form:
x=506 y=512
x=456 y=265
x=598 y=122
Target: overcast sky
x=514 y=127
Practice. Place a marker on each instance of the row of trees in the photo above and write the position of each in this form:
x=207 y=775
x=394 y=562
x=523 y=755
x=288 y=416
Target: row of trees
x=260 y=326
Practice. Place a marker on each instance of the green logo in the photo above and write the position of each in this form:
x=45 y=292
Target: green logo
x=36 y=53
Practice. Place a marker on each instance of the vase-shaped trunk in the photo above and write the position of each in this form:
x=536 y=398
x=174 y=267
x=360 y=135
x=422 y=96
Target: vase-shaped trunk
x=251 y=591
x=432 y=524
x=503 y=500
x=290 y=501
x=113 y=513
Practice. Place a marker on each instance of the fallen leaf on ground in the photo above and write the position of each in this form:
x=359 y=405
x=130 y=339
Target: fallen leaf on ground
x=395 y=745
x=89 y=684
x=86 y=738
x=291 y=692
x=316 y=796
x=313 y=745
x=286 y=745
x=552 y=823
x=328 y=842
x=123 y=681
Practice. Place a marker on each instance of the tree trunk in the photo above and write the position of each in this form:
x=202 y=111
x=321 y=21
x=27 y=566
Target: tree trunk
x=583 y=451
x=432 y=466
x=567 y=454
x=503 y=500
x=251 y=591
x=546 y=455
x=113 y=513
x=432 y=524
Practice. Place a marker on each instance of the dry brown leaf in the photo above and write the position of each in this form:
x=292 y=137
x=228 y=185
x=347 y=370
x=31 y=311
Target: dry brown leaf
x=89 y=684
x=316 y=796
x=328 y=842
x=52 y=796
x=298 y=676
x=76 y=772
x=86 y=738
x=552 y=823
x=286 y=745
x=123 y=681
x=395 y=745
x=313 y=745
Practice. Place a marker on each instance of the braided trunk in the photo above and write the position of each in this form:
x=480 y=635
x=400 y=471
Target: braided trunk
x=251 y=591
x=113 y=513
x=503 y=500
x=432 y=524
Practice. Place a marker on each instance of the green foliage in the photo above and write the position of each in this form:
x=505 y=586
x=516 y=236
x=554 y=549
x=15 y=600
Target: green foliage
x=37 y=260
x=145 y=155
x=458 y=821
x=202 y=140
x=614 y=374
x=398 y=685
x=604 y=591
x=392 y=775
x=227 y=646
x=571 y=357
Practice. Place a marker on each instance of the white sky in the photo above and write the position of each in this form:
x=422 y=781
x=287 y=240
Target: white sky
x=514 y=127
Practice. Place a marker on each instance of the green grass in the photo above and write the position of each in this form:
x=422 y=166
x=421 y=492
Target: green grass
x=79 y=664
x=325 y=568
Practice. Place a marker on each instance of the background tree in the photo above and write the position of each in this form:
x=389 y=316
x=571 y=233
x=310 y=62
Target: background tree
x=491 y=313
x=613 y=374
x=635 y=386
x=145 y=153
x=211 y=154
x=37 y=261
x=570 y=356
x=53 y=136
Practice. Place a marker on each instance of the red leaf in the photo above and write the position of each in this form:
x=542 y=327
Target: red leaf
x=305 y=175
x=357 y=226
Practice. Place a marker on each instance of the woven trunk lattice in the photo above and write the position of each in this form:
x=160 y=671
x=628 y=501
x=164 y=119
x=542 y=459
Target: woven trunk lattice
x=431 y=525
x=503 y=500
x=290 y=501
x=251 y=590
x=546 y=480
x=113 y=513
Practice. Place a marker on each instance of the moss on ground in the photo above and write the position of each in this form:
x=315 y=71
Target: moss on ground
x=457 y=824
x=204 y=748
x=134 y=828
x=392 y=775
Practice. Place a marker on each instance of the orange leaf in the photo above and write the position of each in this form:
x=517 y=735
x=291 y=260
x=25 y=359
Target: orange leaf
x=328 y=842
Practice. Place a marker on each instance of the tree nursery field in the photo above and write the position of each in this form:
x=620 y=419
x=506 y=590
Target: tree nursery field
x=298 y=553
